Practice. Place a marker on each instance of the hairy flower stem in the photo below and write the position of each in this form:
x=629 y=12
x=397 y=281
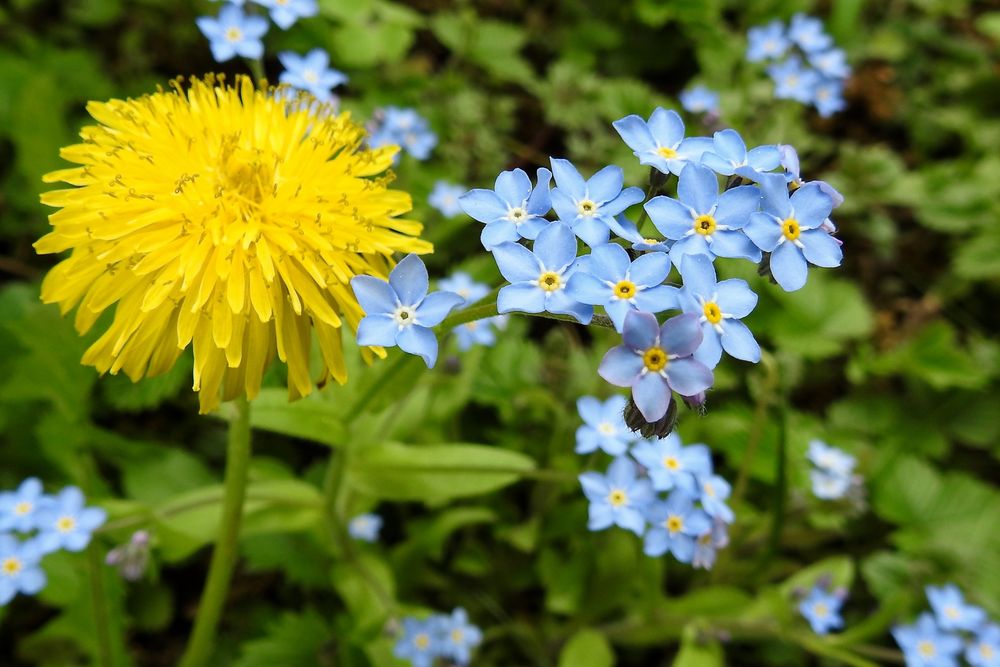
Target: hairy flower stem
x=767 y=390
x=487 y=307
x=224 y=555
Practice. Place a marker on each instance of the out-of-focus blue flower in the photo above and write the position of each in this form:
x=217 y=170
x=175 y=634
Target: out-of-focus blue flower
x=66 y=523
x=700 y=99
x=671 y=465
x=420 y=641
x=793 y=80
x=719 y=307
x=462 y=284
x=828 y=97
x=233 y=33
x=830 y=459
x=589 y=207
x=132 y=557
x=655 y=360
x=458 y=637
x=822 y=610
x=620 y=285
x=729 y=155
x=808 y=33
x=311 y=73
x=984 y=649
x=405 y=128
x=925 y=645
x=538 y=277
x=714 y=491
x=479 y=332
x=512 y=210
x=18 y=509
x=365 y=527
x=286 y=12
x=952 y=611
x=767 y=42
x=706 y=546
x=831 y=63
x=701 y=221
x=603 y=426
x=659 y=142
x=618 y=498
x=674 y=526
x=829 y=486
x=444 y=197
x=400 y=311
x=19 y=570
x=790 y=229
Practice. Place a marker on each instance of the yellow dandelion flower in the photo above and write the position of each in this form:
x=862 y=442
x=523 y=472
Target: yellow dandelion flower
x=218 y=216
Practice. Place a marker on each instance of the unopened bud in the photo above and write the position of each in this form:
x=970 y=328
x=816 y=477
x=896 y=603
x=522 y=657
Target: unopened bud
x=661 y=428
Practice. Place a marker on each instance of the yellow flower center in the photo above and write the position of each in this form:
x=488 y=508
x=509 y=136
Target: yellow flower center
x=586 y=208
x=404 y=316
x=671 y=463
x=517 y=215
x=422 y=641
x=606 y=428
x=310 y=76
x=617 y=498
x=625 y=289
x=457 y=636
x=472 y=326
x=712 y=312
x=986 y=651
x=674 y=523
x=926 y=649
x=654 y=359
x=705 y=539
x=951 y=612
x=65 y=524
x=666 y=152
x=820 y=610
x=11 y=566
x=704 y=225
x=709 y=489
x=22 y=508
x=650 y=241
x=790 y=228
x=234 y=34
x=550 y=281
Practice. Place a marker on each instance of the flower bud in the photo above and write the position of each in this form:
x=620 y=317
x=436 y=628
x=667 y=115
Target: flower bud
x=658 y=429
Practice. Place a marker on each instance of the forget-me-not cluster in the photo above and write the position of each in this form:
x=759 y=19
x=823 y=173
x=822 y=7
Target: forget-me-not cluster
x=832 y=473
x=448 y=636
x=953 y=629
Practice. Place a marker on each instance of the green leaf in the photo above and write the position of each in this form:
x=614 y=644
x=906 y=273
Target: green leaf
x=434 y=473
x=587 y=648
x=292 y=640
x=368 y=589
x=839 y=570
x=698 y=651
x=311 y=418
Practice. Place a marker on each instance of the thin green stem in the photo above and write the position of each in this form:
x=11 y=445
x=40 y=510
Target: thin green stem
x=99 y=606
x=767 y=390
x=487 y=307
x=256 y=66
x=220 y=570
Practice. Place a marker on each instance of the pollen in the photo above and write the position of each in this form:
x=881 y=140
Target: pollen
x=550 y=281
x=790 y=228
x=625 y=289
x=674 y=523
x=617 y=498
x=654 y=359
x=666 y=152
x=65 y=524
x=712 y=312
x=224 y=218
x=10 y=566
x=704 y=225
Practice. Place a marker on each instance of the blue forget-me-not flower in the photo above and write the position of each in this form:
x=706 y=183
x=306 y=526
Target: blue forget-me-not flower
x=728 y=155
x=830 y=459
x=589 y=206
x=659 y=142
x=793 y=81
x=405 y=128
x=19 y=509
x=444 y=197
x=700 y=99
x=400 y=311
x=952 y=611
x=365 y=527
x=714 y=491
x=420 y=641
x=603 y=426
x=706 y=546
x=65 y=523
x=462 y=284
x=286 y=12
x=925 y=645
x=767 y=42
x=984 y=649
x=675 y=525
x=828 y=97
x=19 y=568
x=822 y=610
x=513 y=209
x=808 y=33
x=618 y=498
x=670 y=465
x=234 y=33
x=311 y=73
x=458 y=637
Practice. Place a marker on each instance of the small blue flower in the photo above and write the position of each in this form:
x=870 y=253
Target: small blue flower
x=400 y=311
x=828 y=97
x=618 y=498
x=822 y=610
x=701 y=221
x=444 y=197
x=794 y=81
x=828 y=485
x=790 y=229
x=620 y=285
x=19 y=509
x=538 y=277
x=714 y=491
x=830 y=459
x=233 y=33
x=951 y=610
x=706 y=546
x=420 y=642
x=311 y=73
x=462 y=284
x=924 y=645
x=19 y=569
x=656 y=360
x=831 y=63
x=604 y=426
x=512 y=210
x=659 y=142
x=65 y=523
x=458 y=637
x=286 y=12
x=671 y=465
x=719 y=306
x=589 y=207
x=700 y=99
x=365 y=527
x=728 y=155
x=405 y=128
x=674 y=526
x=984 y=650
x=479 y=332
x=767 y=42
x=790 y=163
x=808 y=33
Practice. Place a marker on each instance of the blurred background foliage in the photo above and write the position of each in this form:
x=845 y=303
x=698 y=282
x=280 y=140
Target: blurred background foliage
x=894 y=357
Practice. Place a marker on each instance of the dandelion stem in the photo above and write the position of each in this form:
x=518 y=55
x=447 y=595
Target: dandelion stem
x=99 y=606
x=220 y=570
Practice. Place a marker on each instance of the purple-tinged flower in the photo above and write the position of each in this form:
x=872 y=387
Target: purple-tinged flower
x=66 y=523
x=233 y=33
x=604 y=426
x=822 y=610
x=674 y=526
x=925 y=645
x=589 y=207
x=659 y=142
x=706 y=546
x=700 y=99
x=729 y=155
x=701 y=221
x=952 y=611
x=671 y=465
x=311 y=73
x=790 y=228
x=656 y=360
x=767 y=42
x=132 y=557
x=512 y=210
x=445 y=198
x=618 y=498
x=286 y=12
x=808 y=33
